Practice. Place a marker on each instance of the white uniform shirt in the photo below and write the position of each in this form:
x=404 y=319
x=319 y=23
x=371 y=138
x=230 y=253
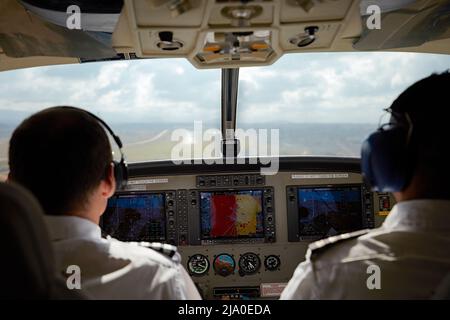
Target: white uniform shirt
x=411 y=248
x=112 y=269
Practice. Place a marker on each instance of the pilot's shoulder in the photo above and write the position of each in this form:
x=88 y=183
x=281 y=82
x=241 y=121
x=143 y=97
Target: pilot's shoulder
x=320 y=247
x=154 y=252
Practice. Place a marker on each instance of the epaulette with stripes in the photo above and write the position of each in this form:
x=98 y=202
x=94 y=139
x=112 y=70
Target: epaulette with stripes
x=318 y=247
x=166 y=249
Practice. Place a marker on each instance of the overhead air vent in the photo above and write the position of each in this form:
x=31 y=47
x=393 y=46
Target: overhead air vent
x=241 y=15
x=178 y=7
x=167 y=42
x=306 y=38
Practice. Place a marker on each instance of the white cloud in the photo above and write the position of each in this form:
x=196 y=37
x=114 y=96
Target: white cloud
x=253 y=76
x=110 y=74
x=329 y=87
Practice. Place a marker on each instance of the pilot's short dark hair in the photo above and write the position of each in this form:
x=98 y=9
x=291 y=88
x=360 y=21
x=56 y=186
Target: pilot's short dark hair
x=425 y=98
x=60 y=155
x=427 y=103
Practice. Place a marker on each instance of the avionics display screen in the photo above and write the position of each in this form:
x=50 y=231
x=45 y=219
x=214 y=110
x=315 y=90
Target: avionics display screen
x=329 y=211
x=232 y=214
x=138 y=217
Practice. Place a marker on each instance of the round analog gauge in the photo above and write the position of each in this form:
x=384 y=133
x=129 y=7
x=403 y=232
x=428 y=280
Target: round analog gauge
x=249 y=263
x=198 y=265
x=224 y=264
x=272 y=262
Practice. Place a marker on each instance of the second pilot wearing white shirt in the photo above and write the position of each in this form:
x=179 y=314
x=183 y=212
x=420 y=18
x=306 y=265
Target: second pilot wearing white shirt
x=408 y=257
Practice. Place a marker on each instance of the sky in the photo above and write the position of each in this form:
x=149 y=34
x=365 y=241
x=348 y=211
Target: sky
x=298 y=88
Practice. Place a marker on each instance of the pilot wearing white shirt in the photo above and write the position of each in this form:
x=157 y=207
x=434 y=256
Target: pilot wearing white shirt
x=408 y=257
x=411 y=250
x=114 y=269
x=63 y=156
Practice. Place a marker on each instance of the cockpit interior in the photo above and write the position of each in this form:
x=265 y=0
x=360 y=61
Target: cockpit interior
x=310 y=78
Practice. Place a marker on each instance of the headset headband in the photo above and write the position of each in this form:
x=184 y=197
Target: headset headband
x=402 y=118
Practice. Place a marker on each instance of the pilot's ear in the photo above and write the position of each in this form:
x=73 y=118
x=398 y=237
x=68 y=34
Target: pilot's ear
x=109 y=183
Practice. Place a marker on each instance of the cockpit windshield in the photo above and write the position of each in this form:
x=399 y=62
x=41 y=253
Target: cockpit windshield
x=326 y=104
x=320 y=103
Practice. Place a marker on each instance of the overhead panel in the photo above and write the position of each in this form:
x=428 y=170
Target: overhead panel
x=230 y=34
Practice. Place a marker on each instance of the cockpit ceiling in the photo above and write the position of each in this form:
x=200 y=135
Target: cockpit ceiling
x=216 y=34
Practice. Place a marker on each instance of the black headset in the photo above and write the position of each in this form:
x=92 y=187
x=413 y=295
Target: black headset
x=387 y=154
x=121 y=167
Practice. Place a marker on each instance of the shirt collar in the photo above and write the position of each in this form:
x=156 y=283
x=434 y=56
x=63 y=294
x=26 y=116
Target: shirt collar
x=69 y=227
x=420 y=214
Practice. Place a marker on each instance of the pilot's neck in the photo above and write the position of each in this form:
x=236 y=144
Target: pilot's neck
x=91 y=216
x=419 y=189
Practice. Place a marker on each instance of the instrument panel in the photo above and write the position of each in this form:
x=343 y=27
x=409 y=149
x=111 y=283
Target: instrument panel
x=241 y=235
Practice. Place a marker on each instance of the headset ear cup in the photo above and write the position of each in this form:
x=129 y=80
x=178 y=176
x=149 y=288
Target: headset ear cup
x=121 y=174
x=384 y=160
x=117 y=175
x=124 y=169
